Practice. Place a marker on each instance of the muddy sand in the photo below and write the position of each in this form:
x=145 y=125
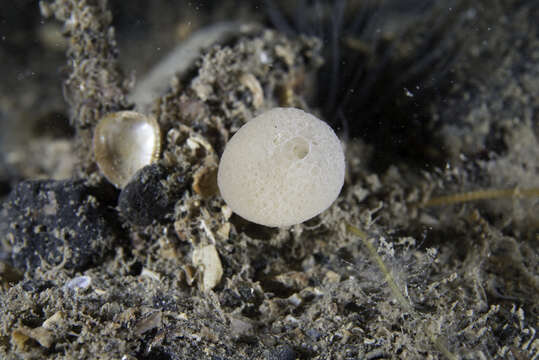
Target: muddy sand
x=429 y=252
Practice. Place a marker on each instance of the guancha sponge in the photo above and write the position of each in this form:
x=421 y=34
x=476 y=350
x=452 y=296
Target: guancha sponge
x=281 y=168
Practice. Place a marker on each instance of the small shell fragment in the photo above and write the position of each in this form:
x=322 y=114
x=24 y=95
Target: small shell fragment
x=79 y=283
x=190 y=273
x=251 y=83
x=43 y=336
x=150 y=274
x=148 y=323
x=54 y=321
x=205 y=181
x=207 y=258
x=125 y=142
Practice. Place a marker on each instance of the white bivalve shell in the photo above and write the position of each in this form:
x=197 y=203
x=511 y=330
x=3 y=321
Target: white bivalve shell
x=281 y=168
x=125 y=142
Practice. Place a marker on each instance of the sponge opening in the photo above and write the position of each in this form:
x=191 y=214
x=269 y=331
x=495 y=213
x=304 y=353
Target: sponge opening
x=297 y=148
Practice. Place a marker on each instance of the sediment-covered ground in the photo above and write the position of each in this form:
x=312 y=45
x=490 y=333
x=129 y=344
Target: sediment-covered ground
x=430 y=251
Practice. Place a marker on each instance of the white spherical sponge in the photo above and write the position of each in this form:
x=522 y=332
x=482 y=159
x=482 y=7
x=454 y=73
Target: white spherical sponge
x=281 y=168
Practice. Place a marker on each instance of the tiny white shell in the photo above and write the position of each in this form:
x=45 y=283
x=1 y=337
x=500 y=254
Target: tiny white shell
x=125 y=142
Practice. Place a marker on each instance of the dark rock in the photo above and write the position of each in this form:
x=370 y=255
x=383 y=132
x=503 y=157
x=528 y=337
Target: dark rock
x=149 y=196
x=59 y=222
x=284 y=352
x=156 y=354
x=4 y=188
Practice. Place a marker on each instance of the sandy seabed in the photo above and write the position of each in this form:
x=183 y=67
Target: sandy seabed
x=430 y=251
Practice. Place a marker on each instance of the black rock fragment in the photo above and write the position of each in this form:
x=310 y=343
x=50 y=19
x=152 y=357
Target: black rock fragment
x=63 y=223
x=283 y=352
x=149 y=196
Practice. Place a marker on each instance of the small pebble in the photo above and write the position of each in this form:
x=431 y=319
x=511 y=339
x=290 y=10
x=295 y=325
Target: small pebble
x=207 y=259
x=79 y=283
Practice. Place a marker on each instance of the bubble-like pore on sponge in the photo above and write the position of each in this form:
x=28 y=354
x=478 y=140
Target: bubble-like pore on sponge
x=281 y=168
